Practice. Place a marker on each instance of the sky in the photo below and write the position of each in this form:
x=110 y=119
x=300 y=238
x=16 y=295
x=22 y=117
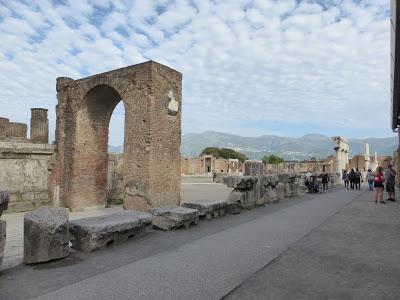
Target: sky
x=250 y=67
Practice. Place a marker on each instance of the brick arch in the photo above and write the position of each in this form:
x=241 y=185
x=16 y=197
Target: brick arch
x=151 y=94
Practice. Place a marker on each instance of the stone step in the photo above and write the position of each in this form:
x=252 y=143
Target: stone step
x=173 y=217
x=94 y=233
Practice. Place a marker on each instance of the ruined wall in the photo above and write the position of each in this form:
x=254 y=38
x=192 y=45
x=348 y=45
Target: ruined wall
x=24 y=171
x=197 y=165
x=151 y=94
x=115 y=178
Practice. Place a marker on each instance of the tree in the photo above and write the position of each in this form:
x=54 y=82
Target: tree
x=272 y=159
x=225 y=153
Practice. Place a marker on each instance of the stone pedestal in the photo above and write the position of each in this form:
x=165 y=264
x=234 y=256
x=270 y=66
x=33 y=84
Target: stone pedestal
x=46 y=235
x=173 y=217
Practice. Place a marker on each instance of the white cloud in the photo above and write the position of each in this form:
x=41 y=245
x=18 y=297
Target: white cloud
x=259 y=62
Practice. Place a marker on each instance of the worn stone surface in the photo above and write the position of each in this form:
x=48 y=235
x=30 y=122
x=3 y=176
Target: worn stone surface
x=253 y=168
x=210 y=209
x=4 y=199
x=24 y=171
x=94 y=233
x=3 y=225
x=234 y=208
x=152 y=94
x=173 y=217
x=46 y=235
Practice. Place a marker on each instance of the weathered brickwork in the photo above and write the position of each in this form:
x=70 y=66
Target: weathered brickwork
x=151 y=94
x=207 y=164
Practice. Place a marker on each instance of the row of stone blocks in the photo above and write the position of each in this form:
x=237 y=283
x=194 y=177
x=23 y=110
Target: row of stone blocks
x=48 y=231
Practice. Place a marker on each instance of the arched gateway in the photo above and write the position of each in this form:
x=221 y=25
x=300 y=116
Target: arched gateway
x=151 y=94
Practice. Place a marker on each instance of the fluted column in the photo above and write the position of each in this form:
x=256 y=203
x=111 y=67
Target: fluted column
x=39 y=125
x=17 y=130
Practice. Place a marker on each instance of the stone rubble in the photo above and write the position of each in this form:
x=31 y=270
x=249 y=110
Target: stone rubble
x=46 y=235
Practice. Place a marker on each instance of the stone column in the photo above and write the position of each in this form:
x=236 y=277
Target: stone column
x=3 y=127
x=39 y=125
x=338 y=161
x=17 y=130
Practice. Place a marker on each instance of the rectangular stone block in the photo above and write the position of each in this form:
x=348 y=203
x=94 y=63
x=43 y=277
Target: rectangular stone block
x=46 y=235
x=253 y=168
x=173 y=217
x=94 y=233
x=210 y=209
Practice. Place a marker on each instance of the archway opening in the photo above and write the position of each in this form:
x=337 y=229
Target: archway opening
x=91 y=154
x=115 y=180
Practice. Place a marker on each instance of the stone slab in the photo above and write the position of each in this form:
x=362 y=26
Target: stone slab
x=2 y=239
x=46 y=234
x=173 y=217
x=94 y=233
x=210 y=209
x=4 y=199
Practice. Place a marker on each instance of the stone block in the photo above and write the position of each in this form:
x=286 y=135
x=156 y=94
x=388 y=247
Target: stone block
x=290 y=190
x=283 y=177
x=270 y=195
x=4 y=199
x=209 y=209
x=173 y=217
x=280 y=190
x=28 y=196
x=2 y=239
x=234 y=208
x=253 y=168
x=46 y=235
x=270 y=180
x=94 y=233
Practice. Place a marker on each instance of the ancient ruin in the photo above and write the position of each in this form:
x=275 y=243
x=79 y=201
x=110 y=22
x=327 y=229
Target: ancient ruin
x=151 y=94
x=342 y=153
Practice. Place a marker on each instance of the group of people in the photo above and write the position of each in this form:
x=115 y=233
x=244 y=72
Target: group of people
x=352 y=179
x=312 y=184
x=376 y=181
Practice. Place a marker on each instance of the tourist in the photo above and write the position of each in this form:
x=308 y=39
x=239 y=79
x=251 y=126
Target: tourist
x=379 y=179
x=370 y=179
x=345 y=178
x=352 y=178
x=390 y=181
x=357 y=179
x=325 y=179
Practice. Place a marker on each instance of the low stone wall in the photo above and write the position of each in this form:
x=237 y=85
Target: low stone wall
x=24 y=172
x=256 y=188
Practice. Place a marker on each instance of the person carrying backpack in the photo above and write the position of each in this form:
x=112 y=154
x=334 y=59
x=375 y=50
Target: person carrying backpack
x=379 y=179
x=351 y=178
x=357 y=179
x=345 y=178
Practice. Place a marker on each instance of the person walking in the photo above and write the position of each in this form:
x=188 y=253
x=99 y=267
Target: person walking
x=345 y=178
x=351 y=178
x=357 y=179
x=379 y=179
x=325 y=179
x=370 y=179
x=390 y=182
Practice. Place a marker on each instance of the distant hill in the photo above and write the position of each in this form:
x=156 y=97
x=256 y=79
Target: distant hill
x=305 y=147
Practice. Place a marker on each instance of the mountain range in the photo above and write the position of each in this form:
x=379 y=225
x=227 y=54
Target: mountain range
x=305 y=147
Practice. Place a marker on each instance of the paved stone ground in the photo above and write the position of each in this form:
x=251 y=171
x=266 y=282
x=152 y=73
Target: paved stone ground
x=194 y=188
x=355 y=254
x=206 y=262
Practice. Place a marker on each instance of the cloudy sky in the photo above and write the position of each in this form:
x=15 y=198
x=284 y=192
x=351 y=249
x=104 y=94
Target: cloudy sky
x=250 y=67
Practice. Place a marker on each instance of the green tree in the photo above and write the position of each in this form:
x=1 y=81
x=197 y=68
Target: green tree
x=225 y=153
x=272 y=159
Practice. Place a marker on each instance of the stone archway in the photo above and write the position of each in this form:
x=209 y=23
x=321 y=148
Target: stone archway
x=151 y=94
